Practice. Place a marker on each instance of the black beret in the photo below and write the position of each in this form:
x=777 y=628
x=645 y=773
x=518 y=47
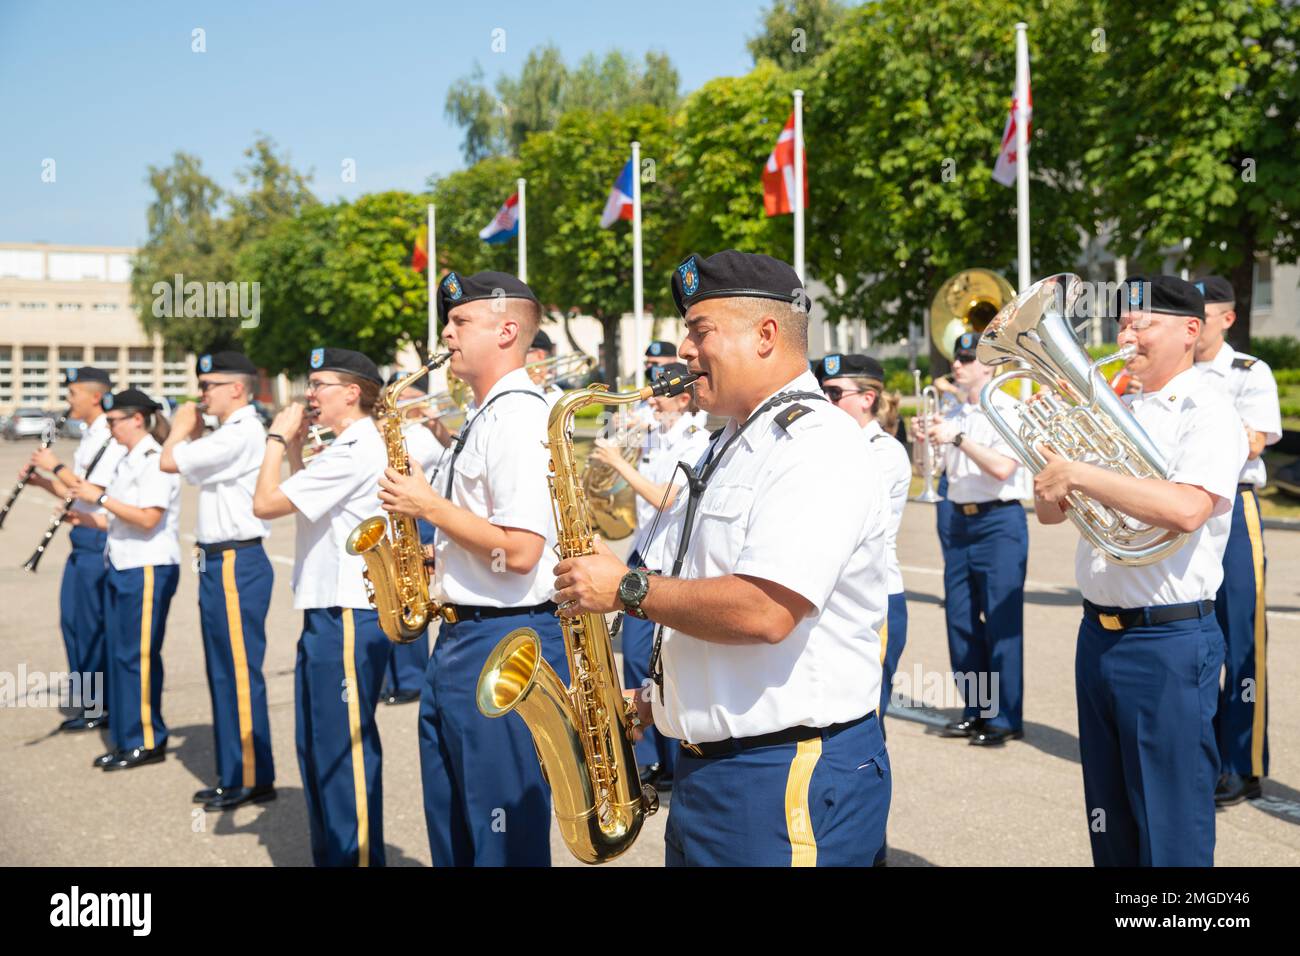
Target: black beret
x=732 y=274
x=542 y=341
x=670 y=368
x=965 y=344
x=225 y=362
x=132 y=399
x=850 y=366
x=456 y=289
x=344 y=360
x=1216 y=289
x=422 y=383
x=1167 y=294
x=661 y=349
x=87 y=373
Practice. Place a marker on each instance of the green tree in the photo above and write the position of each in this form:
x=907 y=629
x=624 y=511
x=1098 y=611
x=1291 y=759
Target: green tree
x=189 y=235
x=795 y=31
x=573 y=263
x=728 y=128
x=498 y=120
x=1204 y=147
x=904 y=124
x=340 y=276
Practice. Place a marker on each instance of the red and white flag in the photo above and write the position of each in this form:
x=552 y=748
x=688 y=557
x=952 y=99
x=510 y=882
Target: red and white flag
x=1004 y=171
x=778 y=175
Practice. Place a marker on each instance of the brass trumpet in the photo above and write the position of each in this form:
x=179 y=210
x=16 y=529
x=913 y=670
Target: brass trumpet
x=926 y=461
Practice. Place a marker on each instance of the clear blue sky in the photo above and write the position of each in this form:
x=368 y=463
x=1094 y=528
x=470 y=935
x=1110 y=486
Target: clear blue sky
x=107 y=89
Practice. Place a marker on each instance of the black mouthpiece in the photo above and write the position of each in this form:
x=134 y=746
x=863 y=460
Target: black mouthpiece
x=673 y=385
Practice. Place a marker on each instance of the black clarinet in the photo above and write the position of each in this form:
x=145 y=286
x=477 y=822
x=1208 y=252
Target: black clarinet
x=58 y=519
x=46 y=442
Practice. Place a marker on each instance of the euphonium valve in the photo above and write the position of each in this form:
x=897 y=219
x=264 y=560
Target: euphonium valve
x=582 y=732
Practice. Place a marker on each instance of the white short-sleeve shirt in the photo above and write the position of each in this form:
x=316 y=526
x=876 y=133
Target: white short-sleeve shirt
x=335 y=492
x=967 y=482
x=95 y=437
x=1249 y=384
x=800 y=506
x=139 y=482
x=224 y=464
x=891 y=460
x=500 y=475
x=664 y=448
x=1194 y=426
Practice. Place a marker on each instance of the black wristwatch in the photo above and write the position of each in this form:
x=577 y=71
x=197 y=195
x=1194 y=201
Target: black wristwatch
x=632 y=591
x=102 y=498
x=956 y=442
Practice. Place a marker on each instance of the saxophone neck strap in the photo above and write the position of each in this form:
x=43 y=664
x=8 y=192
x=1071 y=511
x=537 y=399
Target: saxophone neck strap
x=458 y=442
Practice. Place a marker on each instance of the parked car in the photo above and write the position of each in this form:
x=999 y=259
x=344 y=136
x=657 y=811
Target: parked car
x=28 y=423
x=73 y=428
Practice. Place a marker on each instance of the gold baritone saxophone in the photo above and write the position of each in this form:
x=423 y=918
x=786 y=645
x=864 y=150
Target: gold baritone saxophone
x=582 y=733
x=396 y=578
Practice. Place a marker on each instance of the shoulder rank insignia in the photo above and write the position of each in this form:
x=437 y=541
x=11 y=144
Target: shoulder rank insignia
x=150 y=451
x=791 y=415
x=879 y=436
x=1244 y=363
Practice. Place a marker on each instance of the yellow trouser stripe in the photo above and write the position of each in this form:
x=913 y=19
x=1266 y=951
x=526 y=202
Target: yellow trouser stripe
x=146 y=635
x=798 y=815
x=1250 y=509
x=884 y=646
x=243 y=693
x=354 y=731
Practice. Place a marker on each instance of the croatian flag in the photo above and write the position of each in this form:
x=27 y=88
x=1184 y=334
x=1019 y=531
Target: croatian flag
x=619 y=204
x=505 y=224
x=1004 y=171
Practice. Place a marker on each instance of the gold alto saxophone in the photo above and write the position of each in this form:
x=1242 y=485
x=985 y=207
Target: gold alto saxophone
x=396 y=578
x=582 y=733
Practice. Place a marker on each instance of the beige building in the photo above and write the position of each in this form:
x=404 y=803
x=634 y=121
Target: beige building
x=64 y=306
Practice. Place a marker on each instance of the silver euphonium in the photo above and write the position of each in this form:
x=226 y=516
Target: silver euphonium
x=1075 y=413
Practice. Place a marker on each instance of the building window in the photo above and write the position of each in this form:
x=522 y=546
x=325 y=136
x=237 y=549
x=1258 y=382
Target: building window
x=35 y=374
x=1262 y=297
x=69 y=306
x=6 y=374
x=31 y=306
x=105 y=306
x=70 y=356
x=107 y=356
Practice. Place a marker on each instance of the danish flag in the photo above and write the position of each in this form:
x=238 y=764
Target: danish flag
x=778 y=174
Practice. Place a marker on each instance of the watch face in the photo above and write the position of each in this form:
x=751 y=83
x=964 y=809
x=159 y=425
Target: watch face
x=632 y=588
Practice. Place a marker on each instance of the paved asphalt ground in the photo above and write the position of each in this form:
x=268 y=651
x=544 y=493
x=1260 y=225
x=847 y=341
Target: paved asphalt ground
x=953 y=805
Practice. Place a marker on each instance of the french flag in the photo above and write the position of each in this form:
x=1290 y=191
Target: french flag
x=619 y=204
x=505 y=224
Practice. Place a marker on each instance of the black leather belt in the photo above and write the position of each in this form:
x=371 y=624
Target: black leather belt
x=720 y=748
x=218 y=546
x=1121 y=619
x=979 y=507
x=455 y=613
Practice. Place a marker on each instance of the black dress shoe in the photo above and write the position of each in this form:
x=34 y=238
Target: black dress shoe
x=663 y=782
x=73 y=724
x=207 y=793
x=648 y=774
x=103 y=760
x=962 y=728
x=137 y=757
x=402 y=697
x=1233 y=788
x=229 y=799
x=995 y=736
x=97 y=723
